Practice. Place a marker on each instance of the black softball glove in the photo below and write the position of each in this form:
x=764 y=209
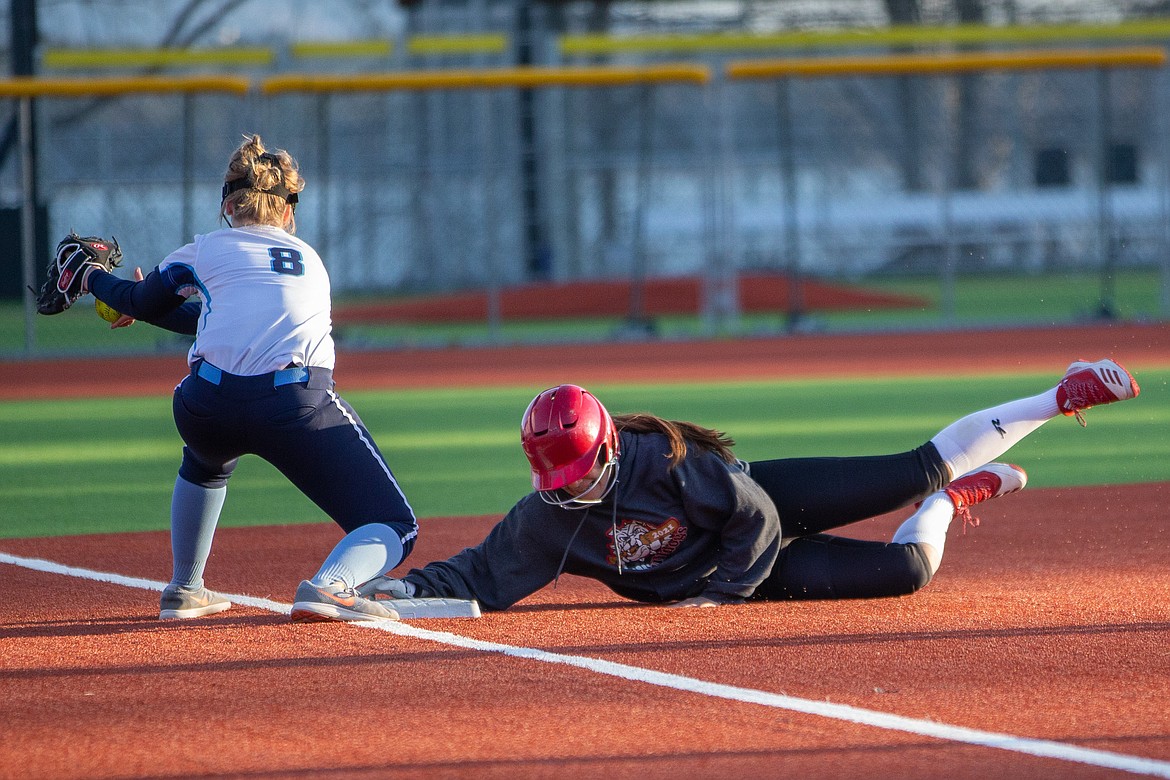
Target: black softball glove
x=66 y=270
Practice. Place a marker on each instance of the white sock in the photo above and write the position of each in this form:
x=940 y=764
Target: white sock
x=984 y=436
x=928 y=526
x=362 y=555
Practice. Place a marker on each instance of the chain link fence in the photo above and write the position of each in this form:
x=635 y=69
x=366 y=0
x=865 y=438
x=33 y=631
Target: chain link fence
x=851 y=177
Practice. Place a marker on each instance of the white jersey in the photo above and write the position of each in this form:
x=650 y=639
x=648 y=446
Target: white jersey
x=266 y=299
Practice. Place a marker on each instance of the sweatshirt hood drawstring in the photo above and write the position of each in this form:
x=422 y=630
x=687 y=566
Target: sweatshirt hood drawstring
x=585 y=516
x=565 y=557
x=617 y=551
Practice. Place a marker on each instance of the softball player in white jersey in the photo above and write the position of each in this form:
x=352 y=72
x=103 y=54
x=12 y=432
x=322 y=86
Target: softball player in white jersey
x=261 y=382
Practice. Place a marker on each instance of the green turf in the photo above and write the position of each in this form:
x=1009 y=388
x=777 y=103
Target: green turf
x=108 y=465
x=1008 y=299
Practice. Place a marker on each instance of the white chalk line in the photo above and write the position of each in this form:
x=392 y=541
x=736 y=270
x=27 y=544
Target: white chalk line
x=1034 y=747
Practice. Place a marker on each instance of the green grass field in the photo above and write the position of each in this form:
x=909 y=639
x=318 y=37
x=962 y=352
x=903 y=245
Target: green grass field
x=108 y=465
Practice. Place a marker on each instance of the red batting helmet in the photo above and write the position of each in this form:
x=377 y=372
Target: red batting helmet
x=562 y=432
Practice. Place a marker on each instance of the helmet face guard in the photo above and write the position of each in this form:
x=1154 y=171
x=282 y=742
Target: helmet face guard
x=563 y=432
x=566 y=500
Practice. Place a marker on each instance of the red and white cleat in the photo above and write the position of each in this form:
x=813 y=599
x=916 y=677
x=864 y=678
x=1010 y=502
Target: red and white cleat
x=1086 y=385
x=983 y=484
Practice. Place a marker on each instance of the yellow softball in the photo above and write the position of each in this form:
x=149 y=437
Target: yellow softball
x=105 y=312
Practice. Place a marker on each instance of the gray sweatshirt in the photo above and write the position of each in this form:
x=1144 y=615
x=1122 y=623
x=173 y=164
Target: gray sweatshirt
x=702 y=527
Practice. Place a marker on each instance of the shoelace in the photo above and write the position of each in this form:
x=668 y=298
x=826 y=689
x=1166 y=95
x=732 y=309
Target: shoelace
x=1081 y=395
x=963 y=505
x=346 y=597
x=964 y=513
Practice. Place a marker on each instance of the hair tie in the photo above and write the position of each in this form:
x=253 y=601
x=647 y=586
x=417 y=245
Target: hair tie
x=245 y=184
x=279 y=190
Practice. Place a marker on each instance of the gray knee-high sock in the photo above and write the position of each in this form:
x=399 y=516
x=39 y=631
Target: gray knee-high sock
x=194 y=514
x=363 y=554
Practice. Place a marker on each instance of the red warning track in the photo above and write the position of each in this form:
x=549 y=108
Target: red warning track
x=617 y=298
x=1000 y=351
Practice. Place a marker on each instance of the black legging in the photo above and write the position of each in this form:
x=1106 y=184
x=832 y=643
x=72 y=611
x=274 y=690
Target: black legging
x=813 y=495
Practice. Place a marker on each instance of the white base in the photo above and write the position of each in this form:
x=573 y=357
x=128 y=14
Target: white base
x=413 y=609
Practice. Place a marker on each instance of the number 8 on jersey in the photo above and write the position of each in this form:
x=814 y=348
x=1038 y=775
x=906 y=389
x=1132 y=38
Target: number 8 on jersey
x=286 y=261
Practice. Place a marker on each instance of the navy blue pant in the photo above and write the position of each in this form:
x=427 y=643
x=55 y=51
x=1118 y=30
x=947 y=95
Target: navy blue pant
x=813 y=495
x=294 y=420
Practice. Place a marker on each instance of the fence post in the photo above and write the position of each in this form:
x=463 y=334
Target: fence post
x=188 y=166
x=1106 y=245
x=323 y=161
x=791 y=204
x=950 y=163
x=28 y=239
x=1162 y=110
x=488 y=166
x=637 y=321
x=721 y=287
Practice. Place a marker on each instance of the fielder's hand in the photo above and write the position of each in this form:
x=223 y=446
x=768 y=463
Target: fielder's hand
x=126 y=320
x=712 y=600
x=387 y=587
x=695 y=601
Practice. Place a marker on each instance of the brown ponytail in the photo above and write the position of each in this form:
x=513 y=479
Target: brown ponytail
x=679 y=434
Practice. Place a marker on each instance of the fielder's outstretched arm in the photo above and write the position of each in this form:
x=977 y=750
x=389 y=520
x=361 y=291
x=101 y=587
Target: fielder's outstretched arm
x=151 y=300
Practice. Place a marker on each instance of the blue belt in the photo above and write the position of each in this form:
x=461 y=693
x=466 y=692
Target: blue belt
x=286 y=376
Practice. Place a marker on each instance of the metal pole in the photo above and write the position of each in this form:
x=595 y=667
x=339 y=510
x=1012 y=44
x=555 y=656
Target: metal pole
x=322 y=242
x=1160 y=111
x=1106 y=309
x=28 y=240
x=637 y=319
x=728 y=294
x=23 y=42
x=537 y=258
x=488 y=169
x=710 y=207
x=185 y=231
x=791 y=205
x=950 y=162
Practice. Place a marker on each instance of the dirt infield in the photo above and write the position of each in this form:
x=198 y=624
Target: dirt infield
x=1045 y=634
x=1051 y=621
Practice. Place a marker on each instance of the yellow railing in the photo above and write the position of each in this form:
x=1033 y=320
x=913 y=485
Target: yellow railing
x=426 y=45
x=599 y=76
x=260 y=56
x=249 y=56
x=418 y=45
x=374 y=47
x=899 y=35
x=92 y=87
x=593 y=76
x=811 y=67
x=455 y=44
